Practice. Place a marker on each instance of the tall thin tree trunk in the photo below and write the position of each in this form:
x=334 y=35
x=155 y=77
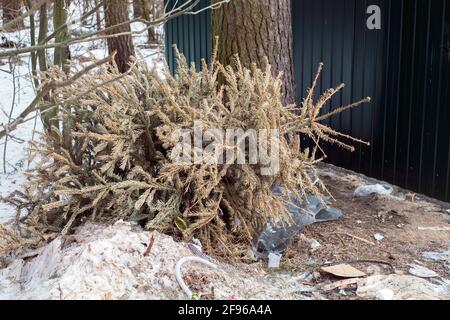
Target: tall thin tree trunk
x=85 y=10
x=61 y=57
x=61 y=54
x=116 y=12
x=48 y=118
x=146 y=14
x=43 y=27
x=137 y=9
x=98 y=20
x=11 y=10
x=33 y=43
x=255 y=29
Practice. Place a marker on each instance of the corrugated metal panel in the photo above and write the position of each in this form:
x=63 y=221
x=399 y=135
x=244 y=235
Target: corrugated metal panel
x=335 y=33
x=191 y=34
x=404 y=67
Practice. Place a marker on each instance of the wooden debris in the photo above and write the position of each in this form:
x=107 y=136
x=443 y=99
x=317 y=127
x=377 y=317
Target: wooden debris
x=342 y=284
x=344 y=271
x=150 y=244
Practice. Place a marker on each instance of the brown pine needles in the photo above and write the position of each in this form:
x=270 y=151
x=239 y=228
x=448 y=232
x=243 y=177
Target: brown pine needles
x=116 y=164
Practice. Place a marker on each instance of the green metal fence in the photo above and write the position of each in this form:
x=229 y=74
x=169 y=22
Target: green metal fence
x=191 y=34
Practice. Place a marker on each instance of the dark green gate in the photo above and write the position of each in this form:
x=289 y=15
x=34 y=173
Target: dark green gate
x=191 y=34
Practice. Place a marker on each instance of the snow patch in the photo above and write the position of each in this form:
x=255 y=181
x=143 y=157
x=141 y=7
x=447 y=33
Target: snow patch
x=108 y=262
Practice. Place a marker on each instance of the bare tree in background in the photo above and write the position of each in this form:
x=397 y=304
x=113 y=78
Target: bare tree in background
x=11 y=10
x=48 y=119
x=137 y=8
x=61 y=54
x=98 y=20
x=86 y=5
x=146 y=14
x=116 y=13
x=255 y=29
x=147 y=9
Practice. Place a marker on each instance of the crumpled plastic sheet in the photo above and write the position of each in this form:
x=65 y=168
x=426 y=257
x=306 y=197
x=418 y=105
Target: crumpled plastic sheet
x=276 y=236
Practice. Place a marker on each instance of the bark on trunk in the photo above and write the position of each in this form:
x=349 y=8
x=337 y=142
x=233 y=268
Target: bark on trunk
x=61 y=57
x=33 y=54
x=137 y=8
x=255 y=29
x=43 y=28
x=61 y=54
x=98 y=20
x=116 y=12
x=49 y=117
x=11 y=10
x=146 y=15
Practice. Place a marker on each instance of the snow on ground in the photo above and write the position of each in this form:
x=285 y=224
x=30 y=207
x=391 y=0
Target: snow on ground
x=13 y=159
x=109 y=262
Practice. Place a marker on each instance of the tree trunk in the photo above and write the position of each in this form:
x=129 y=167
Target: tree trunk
x=98 y=20
x=61 y=57
x=86 y=7
x=33 y=54
x=116 y=12
x=255 y=29
x=11 y=10
x=146 y=14
x=61 y=54
x=49 y=117
x=137 y=8
x=43 y=28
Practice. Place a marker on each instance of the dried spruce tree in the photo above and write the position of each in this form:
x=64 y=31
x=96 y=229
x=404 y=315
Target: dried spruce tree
x=120 y=165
